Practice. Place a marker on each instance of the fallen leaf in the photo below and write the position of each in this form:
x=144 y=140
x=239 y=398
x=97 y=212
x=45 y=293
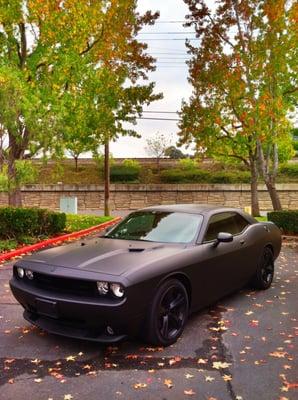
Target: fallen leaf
x=140 y=385
x=71 y=358
x=68 y=397
x=227 y=378
x=188 y=376
x=220 y=365
x=168 y=383
x=278 y=354
x=189 y=392
x=38 y=380
x=209 y=378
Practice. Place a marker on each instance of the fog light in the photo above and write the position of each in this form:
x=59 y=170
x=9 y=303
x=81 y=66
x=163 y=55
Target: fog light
x=29 y=274
x=20 y=272
x=117 y=289
x=103 y=287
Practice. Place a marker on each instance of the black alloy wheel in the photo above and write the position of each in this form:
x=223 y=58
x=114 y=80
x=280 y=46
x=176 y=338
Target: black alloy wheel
x=265 y=272
x=168 y=313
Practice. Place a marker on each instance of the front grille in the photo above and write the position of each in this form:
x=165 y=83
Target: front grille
x=64 y=285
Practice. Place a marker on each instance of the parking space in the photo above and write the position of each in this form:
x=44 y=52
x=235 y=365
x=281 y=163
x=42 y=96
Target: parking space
x=242 y=348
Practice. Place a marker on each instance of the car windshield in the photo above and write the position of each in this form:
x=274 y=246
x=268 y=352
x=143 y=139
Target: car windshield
x=155 y=226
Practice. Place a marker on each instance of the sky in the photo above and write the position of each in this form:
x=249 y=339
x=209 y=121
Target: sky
x=170 y=75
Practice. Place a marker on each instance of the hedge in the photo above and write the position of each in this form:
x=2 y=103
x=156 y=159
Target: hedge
x=123 y=173
x=285 y=220
x=290 y=170
x=202 y=176
x=18 y=222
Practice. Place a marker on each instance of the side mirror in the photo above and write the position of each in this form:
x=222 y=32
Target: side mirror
x=223 y=237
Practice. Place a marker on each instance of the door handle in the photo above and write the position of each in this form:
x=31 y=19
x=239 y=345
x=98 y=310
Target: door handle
x=242 y=241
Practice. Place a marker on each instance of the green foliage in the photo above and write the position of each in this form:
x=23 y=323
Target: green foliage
x=230 y=177
x=184 y=176
x=285 y=220
x=19 y=222
x=121 y=173
x=290 y=170
x=26 y=173
x=6 y=245
x=174 y=153
x=78 y=222
x=132 y=163
x=187 y=164
x=202 y=176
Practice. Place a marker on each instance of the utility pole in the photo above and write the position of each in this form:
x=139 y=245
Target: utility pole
x=107 y=178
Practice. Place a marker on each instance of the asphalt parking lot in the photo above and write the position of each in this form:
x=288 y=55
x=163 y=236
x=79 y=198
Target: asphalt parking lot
x=242 y=348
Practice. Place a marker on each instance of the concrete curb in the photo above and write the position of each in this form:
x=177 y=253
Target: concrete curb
x=56 y=240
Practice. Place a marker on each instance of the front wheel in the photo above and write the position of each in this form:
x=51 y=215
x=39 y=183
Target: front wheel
x=265 y=272
x=167 y=314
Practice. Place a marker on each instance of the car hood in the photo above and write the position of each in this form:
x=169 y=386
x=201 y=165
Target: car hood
x=104 y=255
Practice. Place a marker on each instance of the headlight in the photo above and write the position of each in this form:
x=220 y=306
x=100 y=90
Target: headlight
x=117 y=289
x=103 y=287
x=20 y=272
x=29 y=274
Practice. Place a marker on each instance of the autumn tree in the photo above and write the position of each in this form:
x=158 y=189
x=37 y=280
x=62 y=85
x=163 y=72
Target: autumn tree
x=227 y=114
x=157 y=146
x=51 y=53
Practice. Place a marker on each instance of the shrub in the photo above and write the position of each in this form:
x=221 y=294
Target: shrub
x=290 y=170
x=20 y=222
x=131 y=164
x=121 y=173
x=187 y=164
x=230 y=177
x=184 y=176
x=202 y=176
x=285 y=220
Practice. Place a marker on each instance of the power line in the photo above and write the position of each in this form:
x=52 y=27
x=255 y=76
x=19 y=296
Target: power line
x=168 y=33
x=171 y=22
x=164 y=40
x=159 y=119
x=160 y=112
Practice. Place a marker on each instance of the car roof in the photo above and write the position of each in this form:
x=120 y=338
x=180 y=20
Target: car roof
x=189 y=208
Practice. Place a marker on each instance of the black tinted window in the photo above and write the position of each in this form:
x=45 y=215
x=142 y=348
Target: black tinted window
x=225 y=222
x=169 y=227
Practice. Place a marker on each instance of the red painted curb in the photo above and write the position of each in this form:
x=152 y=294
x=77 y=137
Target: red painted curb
x=58 y=239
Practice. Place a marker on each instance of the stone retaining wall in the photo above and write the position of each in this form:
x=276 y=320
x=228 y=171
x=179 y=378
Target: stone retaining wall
x=134 y=196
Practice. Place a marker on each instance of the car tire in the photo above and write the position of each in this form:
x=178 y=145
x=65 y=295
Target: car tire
x=167 y=314
x=265 y=271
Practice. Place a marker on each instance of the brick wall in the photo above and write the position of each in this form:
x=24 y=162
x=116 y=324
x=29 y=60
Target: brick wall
x=130 y=197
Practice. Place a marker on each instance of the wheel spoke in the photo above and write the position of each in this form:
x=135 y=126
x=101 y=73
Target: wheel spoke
x=176 y=319
x=165 y=326
x=178 y=301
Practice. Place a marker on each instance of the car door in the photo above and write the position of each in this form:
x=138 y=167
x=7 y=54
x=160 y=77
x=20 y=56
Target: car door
x=223 y=267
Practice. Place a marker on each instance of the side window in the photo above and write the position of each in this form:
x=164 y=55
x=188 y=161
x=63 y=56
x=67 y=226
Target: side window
x=230 y=222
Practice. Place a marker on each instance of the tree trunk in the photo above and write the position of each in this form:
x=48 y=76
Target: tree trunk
x=255 y=209
x=76 y=162
x=14 y=191
x=107 y=179
x=270 y=177
x=273 y=195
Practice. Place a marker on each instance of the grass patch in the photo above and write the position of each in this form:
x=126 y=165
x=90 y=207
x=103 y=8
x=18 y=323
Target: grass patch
x=78 y=222
x=262 y=219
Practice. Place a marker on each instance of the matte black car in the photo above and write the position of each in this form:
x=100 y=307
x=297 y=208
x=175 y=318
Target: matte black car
x=147 y=274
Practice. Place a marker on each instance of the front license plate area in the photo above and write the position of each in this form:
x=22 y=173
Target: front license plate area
x=47 y=307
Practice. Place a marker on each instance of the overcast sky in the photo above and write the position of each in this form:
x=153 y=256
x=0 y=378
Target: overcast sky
x=170 y=75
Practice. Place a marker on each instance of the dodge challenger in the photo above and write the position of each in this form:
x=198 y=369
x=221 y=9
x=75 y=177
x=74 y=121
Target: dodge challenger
x=147 y=274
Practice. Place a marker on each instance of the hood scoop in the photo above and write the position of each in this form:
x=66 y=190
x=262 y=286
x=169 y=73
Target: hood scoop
x=135 y=250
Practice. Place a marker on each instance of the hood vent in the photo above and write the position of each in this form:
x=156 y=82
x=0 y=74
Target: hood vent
x=135 y=250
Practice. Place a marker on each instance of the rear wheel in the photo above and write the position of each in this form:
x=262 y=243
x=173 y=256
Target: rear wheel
x=265 y=271
x=168 y=313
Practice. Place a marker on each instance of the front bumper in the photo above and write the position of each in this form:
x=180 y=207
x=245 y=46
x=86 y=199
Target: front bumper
x=79 y=317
